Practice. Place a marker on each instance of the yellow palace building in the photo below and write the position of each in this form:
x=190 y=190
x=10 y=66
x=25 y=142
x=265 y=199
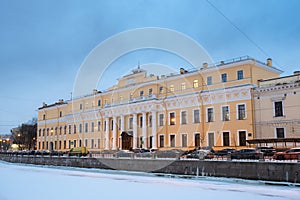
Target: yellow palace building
x=211 y=106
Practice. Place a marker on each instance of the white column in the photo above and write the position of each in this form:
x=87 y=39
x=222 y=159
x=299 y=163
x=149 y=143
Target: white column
x=135 y=131
x=106 y=134
x=154 y=124
x=114 y=146
x=122 y=129
x=122 y=123
x=144 y=130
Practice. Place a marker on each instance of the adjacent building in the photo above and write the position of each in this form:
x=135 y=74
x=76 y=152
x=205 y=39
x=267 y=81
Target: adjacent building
x=208 y=106
x=277 y=111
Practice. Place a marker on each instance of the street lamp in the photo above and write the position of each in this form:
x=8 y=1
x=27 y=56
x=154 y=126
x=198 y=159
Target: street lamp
x=19 y=140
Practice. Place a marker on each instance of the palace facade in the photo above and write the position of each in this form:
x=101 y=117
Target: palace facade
x=211 y=106
x=277 y=111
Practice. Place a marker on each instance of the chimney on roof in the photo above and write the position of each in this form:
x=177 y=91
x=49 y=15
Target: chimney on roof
x=44 y=104
x=205 y=65
x=296 y=72
x=182 y=70
x=269 y=62
x=60 y=101
x=95 y=91
x=222 y=62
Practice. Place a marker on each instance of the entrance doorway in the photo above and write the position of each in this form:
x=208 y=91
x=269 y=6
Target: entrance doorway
x=127 y=140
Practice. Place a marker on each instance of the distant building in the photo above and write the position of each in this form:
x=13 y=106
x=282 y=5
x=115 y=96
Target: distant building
x=277 y=111
x=209 y=106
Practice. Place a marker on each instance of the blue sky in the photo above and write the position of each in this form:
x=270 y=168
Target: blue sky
x=43 y=42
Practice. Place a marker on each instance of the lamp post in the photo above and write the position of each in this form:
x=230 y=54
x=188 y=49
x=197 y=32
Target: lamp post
x=1 y=146
x=19 y=140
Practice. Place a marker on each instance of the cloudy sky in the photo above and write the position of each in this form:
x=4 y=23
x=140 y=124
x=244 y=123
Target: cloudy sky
x=43 y=43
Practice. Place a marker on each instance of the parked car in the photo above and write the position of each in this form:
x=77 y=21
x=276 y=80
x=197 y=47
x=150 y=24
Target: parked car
x=200 y=153
x=290 y=154
x=224 y=152
x=248 y=153
x=79 y=151
x=267 y=151
x=141 y=150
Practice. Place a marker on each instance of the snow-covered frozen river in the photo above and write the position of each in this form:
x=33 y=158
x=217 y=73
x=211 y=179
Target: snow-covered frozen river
x=28 y=182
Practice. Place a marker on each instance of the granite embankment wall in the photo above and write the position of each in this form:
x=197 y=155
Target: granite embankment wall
x=254 y=170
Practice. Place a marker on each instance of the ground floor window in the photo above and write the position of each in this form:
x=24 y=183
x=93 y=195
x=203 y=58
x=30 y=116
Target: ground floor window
x=92 y=143
x=226 y=140
x=242 y=138
x=280 y=132
x=172 y=140
x=150 y=142
x=197 y=140
x=161 y=141
x=184 y=140
x=211 y=139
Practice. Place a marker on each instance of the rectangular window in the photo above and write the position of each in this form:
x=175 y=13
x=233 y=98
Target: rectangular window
x=184 y=140
x=74 y=128
x=150 y=121
x=172 y=118
x=209 y=80
x=161 y=89
x=225 y=113
x=130 y=123
x=224 y=78
x=99 y=125
x=161 y=141
x=171 y=88
x=99 y=142
x=119 y=124
x=211 y=139
x=183 y=86
x=150 y=91
x=92 y=126
x=197 y=116
x=79 y=143
x=69 y=129
x=44 y=116
x=141 y=121
x=242 y=138
x=75 y=143
x=92 y=143
x=197 y=139
x=225 y=138
x=85 y=142
x=195 y=84
x=65 y=144
x=80 y=128
x=278 y=109
x=86 y=129
x=183 y=117
x=141 y=93
x=80 y=106
x=60 y=113
x=112 y=125
x=161 y=119
x=65 y=130
x=210 y=114
x=172 y=140
x=99 y=102
x=280 y=132
x=241 y=112
x=240 y=74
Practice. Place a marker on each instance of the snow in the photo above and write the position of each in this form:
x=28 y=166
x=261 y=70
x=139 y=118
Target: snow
x=29 y=182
